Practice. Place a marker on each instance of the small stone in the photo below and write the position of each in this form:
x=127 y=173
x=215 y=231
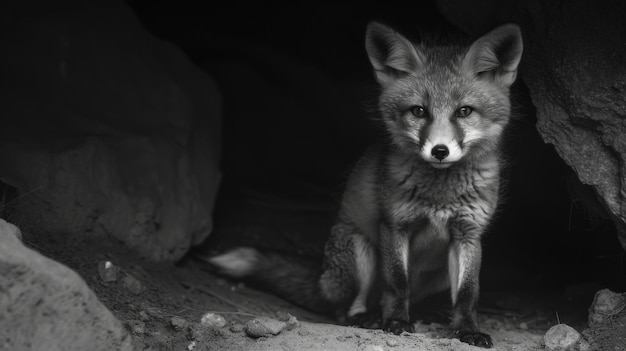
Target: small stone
x=136 y=327
x=132 y=284
x=292 y=322
x=108 y=271
x=213 y=320
x=392 y=342
x=178 y=323
x=191 y=346
x=264 y=326
x=523 y=326
x=372 y=348
x=562 y=337
x=236 y=327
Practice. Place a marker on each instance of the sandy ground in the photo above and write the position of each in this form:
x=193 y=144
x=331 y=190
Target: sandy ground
x=162 y=306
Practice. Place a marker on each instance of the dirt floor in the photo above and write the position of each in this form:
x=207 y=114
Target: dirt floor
x=162 y=305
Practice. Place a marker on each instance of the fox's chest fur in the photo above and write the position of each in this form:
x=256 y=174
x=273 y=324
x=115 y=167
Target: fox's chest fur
x=413 y=191
x=404 y=191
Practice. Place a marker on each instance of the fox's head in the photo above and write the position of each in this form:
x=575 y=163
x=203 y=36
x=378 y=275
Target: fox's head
x=445 y=103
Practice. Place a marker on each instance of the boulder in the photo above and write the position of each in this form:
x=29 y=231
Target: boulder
x=46 y=306
x=562 y=337
x=107 y=131
x=573 y=65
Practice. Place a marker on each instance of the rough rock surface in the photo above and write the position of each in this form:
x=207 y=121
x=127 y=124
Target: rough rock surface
x=607 y=318
x=562 y=337
x=263 y=327
x=46 y=306
x=573 y=64
x=606 y=305
x=107 y=131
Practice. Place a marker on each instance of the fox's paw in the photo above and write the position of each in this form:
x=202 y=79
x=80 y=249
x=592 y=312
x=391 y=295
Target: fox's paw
x=398 y=327
x=475 y=338
x=365 y=320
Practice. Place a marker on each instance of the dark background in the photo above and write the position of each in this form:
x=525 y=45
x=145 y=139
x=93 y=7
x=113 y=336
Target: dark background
x=298 y=90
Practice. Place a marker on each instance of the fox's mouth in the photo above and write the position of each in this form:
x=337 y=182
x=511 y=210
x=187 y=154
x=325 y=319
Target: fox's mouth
x=441 y=165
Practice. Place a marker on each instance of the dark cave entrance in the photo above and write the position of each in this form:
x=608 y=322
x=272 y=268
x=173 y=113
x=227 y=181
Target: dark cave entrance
x=296 y=118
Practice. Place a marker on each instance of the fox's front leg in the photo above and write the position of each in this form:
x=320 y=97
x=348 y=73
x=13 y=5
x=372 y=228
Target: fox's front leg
x=464 y=260
x=394 y=257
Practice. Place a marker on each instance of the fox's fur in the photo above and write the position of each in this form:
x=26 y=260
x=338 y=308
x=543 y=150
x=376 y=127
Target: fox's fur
x=415 y=207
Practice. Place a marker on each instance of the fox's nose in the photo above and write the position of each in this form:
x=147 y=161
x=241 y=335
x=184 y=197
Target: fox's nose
x=440 y=152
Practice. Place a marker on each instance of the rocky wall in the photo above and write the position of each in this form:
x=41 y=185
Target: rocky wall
x=107 y=132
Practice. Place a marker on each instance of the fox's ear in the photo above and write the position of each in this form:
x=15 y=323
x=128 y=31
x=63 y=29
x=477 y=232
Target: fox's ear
x=391 y=54
x=496 y=55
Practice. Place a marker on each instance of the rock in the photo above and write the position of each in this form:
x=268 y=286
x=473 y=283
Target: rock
x=178 y=323
x=263 y=327
x=108 y=271
x=213 y=320
x=47 y=306
x=292 y=321
x=121 y=134
x=576 y=77
x=10 y=229
x=392 y=342
x=136 y=327
x=562 y=337
x=605 y=306
x=192 y=345
x=372 y=348
x=132 y=284
x=236 y=327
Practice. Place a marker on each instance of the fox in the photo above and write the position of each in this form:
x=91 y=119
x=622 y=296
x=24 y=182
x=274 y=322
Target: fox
x=416 y=204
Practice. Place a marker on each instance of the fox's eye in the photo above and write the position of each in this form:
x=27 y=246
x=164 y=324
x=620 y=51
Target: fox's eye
x=418 y=111
x=463 y=111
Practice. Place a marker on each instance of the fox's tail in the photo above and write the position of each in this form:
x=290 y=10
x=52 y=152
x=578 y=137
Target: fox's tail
x=291 y=278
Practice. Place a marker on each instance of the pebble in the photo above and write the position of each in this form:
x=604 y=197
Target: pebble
x=132 y=284
x=372 y=348
x=236 y=327
x=213 y=320
x=264 y=326
x=292 y=321
x=392 y=342
x=178 y=323
x=562 y=337
x=108 y=271
x=136 y=327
